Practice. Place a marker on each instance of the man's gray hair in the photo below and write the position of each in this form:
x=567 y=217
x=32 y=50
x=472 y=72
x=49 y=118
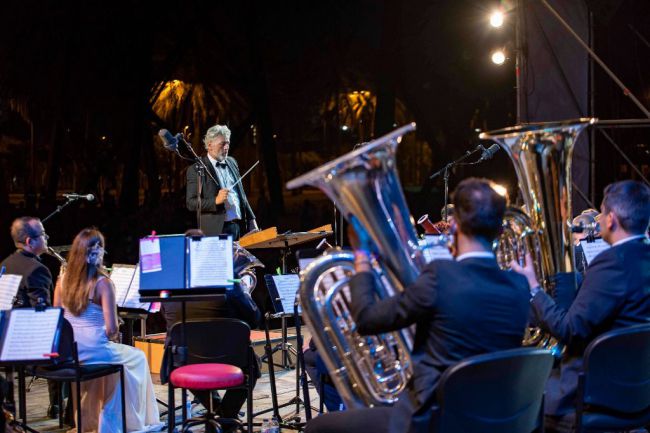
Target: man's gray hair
x=215 y=131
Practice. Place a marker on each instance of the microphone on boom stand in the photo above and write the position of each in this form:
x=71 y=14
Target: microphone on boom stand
x=73 y=196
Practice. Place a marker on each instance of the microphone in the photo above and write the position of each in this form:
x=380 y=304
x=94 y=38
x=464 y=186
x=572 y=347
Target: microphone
x=170 y=141
x=489 y=152
x=73 y=196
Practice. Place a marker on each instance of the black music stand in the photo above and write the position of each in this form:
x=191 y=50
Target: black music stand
x=171 y=281
x=282 y=292
x=19 y=348
x=285 y=304
x=126 y=279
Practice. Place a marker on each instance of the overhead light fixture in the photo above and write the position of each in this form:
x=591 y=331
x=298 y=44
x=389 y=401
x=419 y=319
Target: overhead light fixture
x=496 y=19
x=498 y=57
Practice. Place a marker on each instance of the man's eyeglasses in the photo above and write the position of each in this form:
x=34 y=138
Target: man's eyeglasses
x=45 y=235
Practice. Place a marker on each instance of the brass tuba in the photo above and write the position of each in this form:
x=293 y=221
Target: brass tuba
x=366 y=370
x=541 y=154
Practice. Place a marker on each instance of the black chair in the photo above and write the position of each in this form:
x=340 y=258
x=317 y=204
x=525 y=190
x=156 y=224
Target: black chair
x=614 y=385
x=212 y=354
x=494 y=393
x=68 y=369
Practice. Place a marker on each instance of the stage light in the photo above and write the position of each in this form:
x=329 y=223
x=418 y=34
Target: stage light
x=344 y=128
x=496 y=19
x=498 y=57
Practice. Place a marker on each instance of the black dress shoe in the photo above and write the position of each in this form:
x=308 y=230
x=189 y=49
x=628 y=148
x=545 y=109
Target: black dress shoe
x=53 y=411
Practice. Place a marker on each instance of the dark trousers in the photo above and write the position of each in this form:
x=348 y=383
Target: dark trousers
x=232 y=228
x=315 y=368
x=230 y=404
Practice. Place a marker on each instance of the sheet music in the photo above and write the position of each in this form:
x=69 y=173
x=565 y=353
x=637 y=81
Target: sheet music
x=122 y=275
x=211 y=262
x=30 y=334
x=9 y=284
x=433 y=250
x=126 y=279
x=592 y=249
x=150 y=255
x=287 y=286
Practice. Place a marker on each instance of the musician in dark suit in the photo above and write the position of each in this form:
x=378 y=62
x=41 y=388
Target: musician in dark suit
x=614 y=294
x=35 y=287
x=30 y=239
x=224 y=206
x=461 y=307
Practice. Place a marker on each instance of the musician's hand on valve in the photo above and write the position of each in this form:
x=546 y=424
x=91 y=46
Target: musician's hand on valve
x=527 y=270
x=221 y=196
x=360 y=241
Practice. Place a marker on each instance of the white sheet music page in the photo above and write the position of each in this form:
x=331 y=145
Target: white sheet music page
x=9 y=284
x=287 y=286
x=211 y=262
x=122 y=276
x=30 y=334
x=433 y=250
x=128 y=275
x=592 y=249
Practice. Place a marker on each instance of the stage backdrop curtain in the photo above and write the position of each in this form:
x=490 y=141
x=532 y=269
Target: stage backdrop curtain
x=555 y=75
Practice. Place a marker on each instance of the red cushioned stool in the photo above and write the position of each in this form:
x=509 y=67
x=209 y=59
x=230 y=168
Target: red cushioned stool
x=207 y=355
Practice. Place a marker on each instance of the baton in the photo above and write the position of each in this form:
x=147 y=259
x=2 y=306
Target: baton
x=244 y=175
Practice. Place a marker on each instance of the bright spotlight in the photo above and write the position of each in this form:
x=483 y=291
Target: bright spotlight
x=498 y=57
x=344 y=128
x=496 y=19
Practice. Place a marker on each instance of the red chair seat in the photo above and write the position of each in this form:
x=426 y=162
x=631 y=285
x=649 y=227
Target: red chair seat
x=207 y=376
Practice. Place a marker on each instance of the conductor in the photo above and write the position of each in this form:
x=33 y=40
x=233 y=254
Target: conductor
x=223 y=202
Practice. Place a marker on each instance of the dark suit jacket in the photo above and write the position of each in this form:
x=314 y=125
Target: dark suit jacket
x=460 y=309
x=36 y=282
x=213 y=216
x=614 y=294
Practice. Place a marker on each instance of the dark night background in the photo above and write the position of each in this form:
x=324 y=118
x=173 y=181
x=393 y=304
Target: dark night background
x=85 y=87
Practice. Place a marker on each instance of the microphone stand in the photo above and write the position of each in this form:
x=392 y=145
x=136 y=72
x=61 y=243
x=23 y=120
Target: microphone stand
x=58 y=209
x=201 y=171
x=445 y=172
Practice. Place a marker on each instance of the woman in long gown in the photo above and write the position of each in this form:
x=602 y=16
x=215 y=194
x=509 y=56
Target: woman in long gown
x=88 y=298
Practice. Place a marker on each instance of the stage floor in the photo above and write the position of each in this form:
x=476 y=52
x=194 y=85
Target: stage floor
x=37 y=399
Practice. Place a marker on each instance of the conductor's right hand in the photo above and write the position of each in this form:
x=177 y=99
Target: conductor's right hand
x=221 y=196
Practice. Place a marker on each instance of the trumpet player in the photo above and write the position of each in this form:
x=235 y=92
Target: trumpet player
x=461 y=307
x=615 y=293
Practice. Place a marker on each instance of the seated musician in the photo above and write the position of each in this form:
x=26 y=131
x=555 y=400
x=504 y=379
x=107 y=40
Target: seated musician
x=88 y=296
x=461 y=308
x=614 y=294
x=239 y=305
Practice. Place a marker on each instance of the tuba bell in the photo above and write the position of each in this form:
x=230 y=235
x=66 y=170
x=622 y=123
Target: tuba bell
x=541 y=154
x=366 y=370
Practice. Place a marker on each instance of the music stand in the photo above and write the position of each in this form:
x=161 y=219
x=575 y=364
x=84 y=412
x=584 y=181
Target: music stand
x=29 y=336
x=126 y=279
x=283 y=290
x=182 y=269
x=285 y=241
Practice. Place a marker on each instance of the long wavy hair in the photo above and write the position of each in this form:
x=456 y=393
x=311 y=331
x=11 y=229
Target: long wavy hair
x=80 y=275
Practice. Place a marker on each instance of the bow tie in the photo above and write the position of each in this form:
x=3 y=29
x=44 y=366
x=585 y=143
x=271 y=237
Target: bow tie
x=220 y=164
